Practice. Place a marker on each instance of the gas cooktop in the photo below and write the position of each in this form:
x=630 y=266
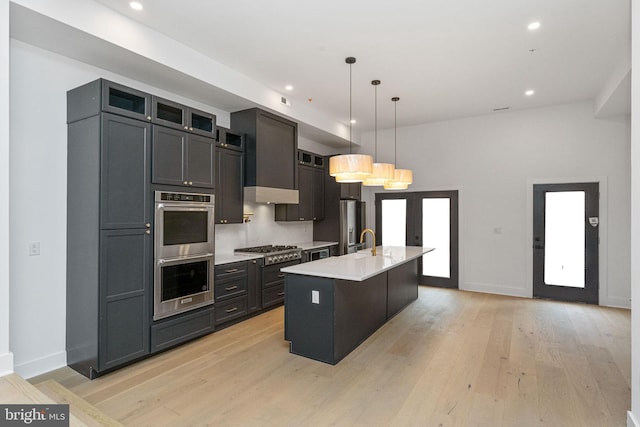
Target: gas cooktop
x=274 y=254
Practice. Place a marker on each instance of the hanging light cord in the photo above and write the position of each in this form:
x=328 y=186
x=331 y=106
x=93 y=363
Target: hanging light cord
x=395 y=130
x=375 y=120
x=350 y=119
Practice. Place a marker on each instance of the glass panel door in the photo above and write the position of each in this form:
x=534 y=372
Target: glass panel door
x=394 y=222
x=427 y=219
x=436 y=224
x=564 y=239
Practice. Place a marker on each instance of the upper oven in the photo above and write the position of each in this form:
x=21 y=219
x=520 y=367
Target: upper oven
x=183 y=224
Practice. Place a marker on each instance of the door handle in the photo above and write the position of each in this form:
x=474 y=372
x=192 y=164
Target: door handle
x=538 y=247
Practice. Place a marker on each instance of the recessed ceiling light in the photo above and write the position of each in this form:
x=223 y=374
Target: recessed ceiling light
x=288 y=87
x=534 y=25
x=135 y=5
x=529 y=92
x=353 y=121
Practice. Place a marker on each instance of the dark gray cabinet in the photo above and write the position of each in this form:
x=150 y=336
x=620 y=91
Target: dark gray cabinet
x=270 y=148
x=124 y=273
x=178 y=116
x=351 y=190
x=254 y=285
x=230 y=186
x=310 y=195
x=108 y=228
x=230 y=291
x=181 y=158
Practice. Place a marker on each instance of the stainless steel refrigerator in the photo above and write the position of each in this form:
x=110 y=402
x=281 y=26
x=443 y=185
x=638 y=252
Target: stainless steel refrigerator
x=352 y=222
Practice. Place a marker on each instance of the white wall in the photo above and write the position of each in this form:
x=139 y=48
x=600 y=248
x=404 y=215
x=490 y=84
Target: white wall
x=493 y=159
x=38 y=85
x=6 y=357
x=634 y=415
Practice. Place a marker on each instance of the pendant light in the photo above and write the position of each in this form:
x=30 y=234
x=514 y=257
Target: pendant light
x=382 y=172
x=350 y=167
x=401 y=177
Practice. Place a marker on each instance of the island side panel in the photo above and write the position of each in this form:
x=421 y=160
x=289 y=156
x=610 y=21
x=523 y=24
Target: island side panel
x=402 y=287
x=360 y=309
x=309 y=326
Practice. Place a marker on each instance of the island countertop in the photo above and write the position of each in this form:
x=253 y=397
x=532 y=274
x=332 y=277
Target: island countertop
x=361 y=265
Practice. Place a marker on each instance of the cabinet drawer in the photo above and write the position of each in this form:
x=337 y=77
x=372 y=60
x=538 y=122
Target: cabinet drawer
x=227 y=271
x=273 y=295
x=272 y=273
x=181 y=328
x=229 y=288
x=231 y=309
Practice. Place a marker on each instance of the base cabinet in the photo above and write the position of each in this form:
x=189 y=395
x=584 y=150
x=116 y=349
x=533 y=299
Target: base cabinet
x=170 y=332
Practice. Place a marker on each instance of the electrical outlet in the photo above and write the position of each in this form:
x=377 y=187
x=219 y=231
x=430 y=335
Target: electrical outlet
x=315 y=297
x=34 y=248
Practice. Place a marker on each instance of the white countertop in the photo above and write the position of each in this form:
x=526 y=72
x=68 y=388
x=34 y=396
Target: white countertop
x=361 y=265
x=220 y=259
x=305 y=246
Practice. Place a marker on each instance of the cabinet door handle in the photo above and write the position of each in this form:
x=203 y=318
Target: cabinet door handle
x=281 y=275
x=147 y=225
x=280 y=294
x=186 y=128
x=231 y=288
x=185 y=182
x=231 y=310
x=147 y=231
x=148 y=117
x=233 y=270
x=190 y=182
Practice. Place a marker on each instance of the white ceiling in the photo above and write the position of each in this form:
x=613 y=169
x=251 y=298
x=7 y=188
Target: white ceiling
x=444 y=58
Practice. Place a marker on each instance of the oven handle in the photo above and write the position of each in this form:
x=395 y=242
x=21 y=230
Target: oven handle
x=183 y=207
x=183 y=259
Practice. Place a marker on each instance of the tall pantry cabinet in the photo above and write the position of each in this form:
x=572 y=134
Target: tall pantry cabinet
x=109 y=250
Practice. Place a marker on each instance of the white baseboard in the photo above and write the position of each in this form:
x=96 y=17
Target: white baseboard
x=43 y=365
x=6 y=364
x=616 y=302
x=632 y=421
x=495 y=289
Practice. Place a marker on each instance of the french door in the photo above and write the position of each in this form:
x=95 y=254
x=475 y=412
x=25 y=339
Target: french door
x=565 y=242
x=428 y=219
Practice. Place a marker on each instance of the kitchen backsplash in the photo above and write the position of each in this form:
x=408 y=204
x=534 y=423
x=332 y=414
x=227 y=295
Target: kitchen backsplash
x=261 y=230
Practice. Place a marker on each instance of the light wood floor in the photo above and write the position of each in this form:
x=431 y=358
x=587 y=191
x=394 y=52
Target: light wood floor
x=451 y=358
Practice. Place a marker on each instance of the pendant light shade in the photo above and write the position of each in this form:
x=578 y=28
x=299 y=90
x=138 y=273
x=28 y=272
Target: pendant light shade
x=382 y=172
x=402 y=178
x=350 y=167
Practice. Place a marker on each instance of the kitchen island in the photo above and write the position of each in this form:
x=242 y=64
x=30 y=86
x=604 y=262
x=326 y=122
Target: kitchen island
x=334 y=304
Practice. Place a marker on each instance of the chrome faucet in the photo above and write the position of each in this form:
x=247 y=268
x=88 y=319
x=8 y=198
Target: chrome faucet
x=373 y=250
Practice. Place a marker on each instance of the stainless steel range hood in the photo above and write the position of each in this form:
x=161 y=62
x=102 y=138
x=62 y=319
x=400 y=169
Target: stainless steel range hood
x=271 y=195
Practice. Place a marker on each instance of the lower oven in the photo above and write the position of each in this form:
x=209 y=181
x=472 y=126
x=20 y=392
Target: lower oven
x=182 y=284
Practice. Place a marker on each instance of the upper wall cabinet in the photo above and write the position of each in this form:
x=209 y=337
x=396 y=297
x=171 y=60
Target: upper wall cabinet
x=184 y=159
x=103 y=95
x=270 y=148
x=178 y=116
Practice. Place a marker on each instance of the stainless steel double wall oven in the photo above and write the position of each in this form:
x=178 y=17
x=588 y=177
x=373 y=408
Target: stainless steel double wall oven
x=183 y=252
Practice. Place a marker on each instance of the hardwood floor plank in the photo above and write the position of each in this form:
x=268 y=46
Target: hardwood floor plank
x=451 y=358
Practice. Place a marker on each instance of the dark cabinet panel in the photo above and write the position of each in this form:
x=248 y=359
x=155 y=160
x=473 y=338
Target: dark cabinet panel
x=125 y=101
x=124 y=277
x=310 y=197
x=124 y=165
x=270 y=140
x=178 y=329
x=229 y=194
x=178 y=116
x=200 y=161
x=231 y=309
x=254 y=286
x=168 y=156
x=183 y=159
x=351 y=190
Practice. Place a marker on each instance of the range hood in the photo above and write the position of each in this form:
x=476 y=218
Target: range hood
x=271 y=195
